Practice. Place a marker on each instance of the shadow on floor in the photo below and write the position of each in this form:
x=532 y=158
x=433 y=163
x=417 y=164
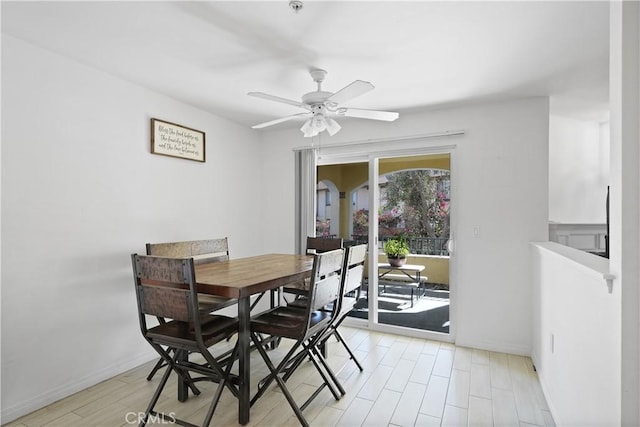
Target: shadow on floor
x=430 y=311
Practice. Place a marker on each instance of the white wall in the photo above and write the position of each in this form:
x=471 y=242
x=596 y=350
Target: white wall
x=578 y=170
x=80 y=193
x=624 y=84
x=576 y=345
x=500 y=184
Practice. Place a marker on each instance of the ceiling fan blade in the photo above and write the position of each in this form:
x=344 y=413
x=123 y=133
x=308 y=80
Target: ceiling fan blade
x=276 y=121
x=351 y=91
x=387 y=116
x=278 y=99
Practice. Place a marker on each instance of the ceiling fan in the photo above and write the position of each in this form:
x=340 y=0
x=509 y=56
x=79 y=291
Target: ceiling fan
x=321 y=105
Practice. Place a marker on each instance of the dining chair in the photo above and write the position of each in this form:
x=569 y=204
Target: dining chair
x=202 y=251
x=166 y=288
x=305 y=327
x=351 y=283
x=352 y=278
x=315 y=245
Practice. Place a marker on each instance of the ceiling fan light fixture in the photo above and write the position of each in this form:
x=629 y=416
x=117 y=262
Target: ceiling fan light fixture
x=307 y=129
x=319 y=123
x=332 y=126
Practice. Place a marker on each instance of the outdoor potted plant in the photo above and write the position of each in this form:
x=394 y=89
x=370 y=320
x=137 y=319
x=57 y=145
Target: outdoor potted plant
x=397 y=250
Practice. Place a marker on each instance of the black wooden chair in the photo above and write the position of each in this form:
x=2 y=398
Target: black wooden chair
x=352 y=277
x=166 y=288
x=318 y=245
x=351 y=284
x=306 y=327
x=202 y=251
x=315 y=245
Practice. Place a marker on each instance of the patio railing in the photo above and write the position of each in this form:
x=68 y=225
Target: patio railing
x=419 y=245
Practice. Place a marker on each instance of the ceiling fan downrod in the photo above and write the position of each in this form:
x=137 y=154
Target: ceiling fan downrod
x=318 y=76
x=295 y=5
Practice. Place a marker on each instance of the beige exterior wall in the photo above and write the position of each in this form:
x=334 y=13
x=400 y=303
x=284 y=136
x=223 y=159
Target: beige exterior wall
x=349 y=176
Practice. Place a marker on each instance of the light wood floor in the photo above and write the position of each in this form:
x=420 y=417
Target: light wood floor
x=406 y=382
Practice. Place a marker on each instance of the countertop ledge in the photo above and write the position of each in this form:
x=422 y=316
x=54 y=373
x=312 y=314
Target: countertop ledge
x=591 y=262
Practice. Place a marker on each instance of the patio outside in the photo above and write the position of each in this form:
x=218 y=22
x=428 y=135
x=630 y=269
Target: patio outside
x=429 y=311
x=414 y=204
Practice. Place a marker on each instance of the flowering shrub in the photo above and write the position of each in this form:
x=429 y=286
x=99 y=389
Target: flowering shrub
x=413 y=203
x=323 y=227
x=389 y=219
x=361 y=222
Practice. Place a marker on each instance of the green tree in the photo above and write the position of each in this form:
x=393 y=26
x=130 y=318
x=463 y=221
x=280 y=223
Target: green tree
x=425 y=210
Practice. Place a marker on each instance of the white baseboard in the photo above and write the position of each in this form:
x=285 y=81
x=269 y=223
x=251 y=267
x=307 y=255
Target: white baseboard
x=550 y=405
x=48 y=397
x=496 y=347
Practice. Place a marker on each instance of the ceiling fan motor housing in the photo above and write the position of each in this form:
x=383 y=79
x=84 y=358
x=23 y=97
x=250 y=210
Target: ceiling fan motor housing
x=317 y=97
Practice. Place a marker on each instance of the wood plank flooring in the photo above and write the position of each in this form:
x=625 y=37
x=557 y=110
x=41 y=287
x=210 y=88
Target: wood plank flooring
x=406 y=382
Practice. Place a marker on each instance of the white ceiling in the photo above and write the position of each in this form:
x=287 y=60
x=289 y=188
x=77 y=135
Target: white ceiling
x=418 y=54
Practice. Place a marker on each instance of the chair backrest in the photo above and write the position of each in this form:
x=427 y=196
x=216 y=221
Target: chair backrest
x=165 y=287
x=318 y=245
x=326 y=279
x=352 y=274
x=202 y=251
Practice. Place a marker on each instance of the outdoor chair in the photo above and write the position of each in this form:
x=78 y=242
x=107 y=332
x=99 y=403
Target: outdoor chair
x=166 y=288
x=306 y=327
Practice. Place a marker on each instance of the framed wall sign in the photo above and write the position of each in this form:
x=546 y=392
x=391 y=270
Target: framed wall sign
x=170 y=139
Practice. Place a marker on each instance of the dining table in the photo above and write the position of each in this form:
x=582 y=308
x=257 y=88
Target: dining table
x=241 y=279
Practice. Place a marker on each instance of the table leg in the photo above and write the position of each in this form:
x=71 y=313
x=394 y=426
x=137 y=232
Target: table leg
x=244 y=366
x=276 y=299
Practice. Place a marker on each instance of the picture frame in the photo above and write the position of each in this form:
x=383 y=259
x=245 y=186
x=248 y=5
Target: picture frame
x=174 y=140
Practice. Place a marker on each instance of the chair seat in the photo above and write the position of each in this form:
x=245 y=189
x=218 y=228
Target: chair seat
x=301 y=302
x=287 y=321
x=215 y=328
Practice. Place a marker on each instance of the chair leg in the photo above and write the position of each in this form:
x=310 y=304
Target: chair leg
x=160 y=364
x=293 y=364
x=274 y=376
x=340 y=338
x=311 y=350
x=156 y=395
x=317 y=359
x=334 y=331
x=292 y=402
x=266 y=382
x=224 y=382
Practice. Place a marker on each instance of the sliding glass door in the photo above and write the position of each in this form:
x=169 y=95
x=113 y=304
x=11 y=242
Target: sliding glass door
x=376 y=198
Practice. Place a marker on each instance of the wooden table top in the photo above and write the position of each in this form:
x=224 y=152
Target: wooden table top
x=242 y=277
